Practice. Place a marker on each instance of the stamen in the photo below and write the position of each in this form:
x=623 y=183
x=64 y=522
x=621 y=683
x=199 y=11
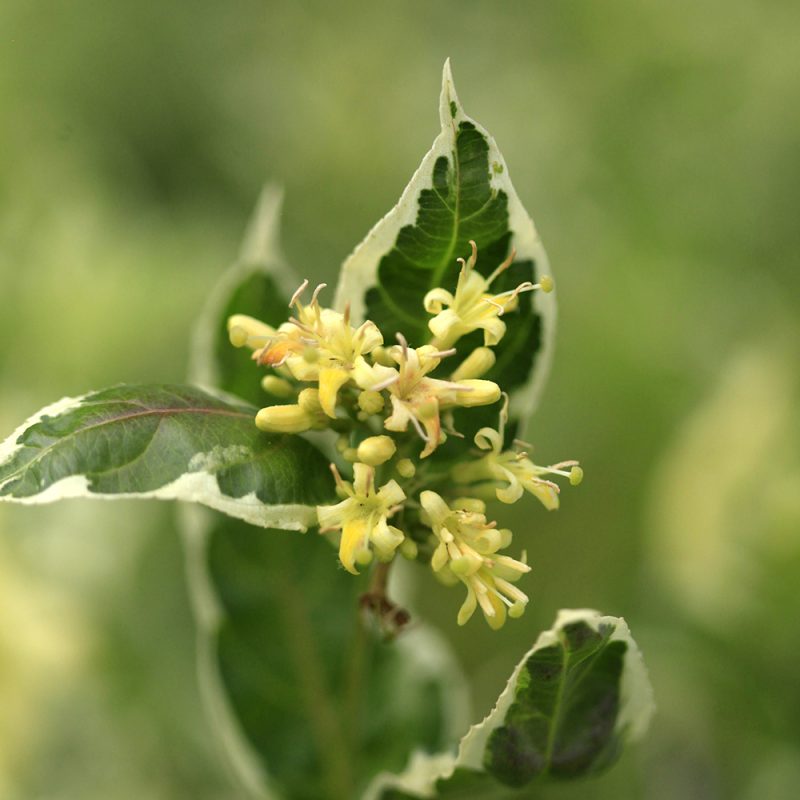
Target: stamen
x=420 y=430
x=379 y=387
x=474 y=257
x=443 y=353
x=347 y=313
x=403 y=344
x=298 y=293
x=316 y=292
x=526 y=446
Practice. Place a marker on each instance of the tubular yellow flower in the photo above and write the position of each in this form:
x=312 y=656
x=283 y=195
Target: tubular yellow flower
x=245 y=331
x=362 y=517
x=418 y=399
x=474 y=306
x=467 y=549
x=317 y=344
x=477 y=363
x=515 y=469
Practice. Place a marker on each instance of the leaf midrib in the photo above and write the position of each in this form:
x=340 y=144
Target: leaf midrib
x=437 y=272
x=148 y=412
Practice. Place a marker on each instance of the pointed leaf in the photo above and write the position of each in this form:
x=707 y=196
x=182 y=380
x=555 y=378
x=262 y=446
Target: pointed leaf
x=461 y=191
x=259 y=284
x=165 y=442
x=576 y=697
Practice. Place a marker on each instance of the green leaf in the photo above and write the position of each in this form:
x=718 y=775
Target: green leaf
x=258 y=284
x=461 y=191
x=572 y=702
x=166 y=442
x=310 y=704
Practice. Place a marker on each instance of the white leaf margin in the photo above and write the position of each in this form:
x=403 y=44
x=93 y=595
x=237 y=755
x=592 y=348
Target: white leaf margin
x=260 y=252
x=360 y=269
x=198 y=486
x=636 y=710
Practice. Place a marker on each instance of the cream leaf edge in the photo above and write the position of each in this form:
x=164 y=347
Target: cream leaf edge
x=636 y=710
x=192 y=487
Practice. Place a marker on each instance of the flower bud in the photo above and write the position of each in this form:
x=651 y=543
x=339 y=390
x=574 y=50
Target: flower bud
x=469 y=504
x=477 y=363
x=370 y=402
x=482 y=393
x=406 y=468
x=350 y=454
x=342 y=443
x=308 y=400
x=283 y=419
x=380 y=355
x=408 y=549
x=277 y=387
x=376 y=450
x=244 y=331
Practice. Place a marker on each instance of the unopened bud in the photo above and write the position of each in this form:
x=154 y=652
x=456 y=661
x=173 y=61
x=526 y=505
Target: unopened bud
x=406 y=468
x=477 y=363
x=284 y=419
x=308 y=400
x=350 y=454
x=408 y=549
x=575 y=475
x=247 y=331
x=376 y=450
x=370 y=402
x=380 y=355
x=277 y=387
x=469 y=504
x=481 y=393
x=342 y=443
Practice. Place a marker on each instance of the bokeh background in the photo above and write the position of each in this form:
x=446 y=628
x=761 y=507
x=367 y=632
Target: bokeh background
x=657 y=146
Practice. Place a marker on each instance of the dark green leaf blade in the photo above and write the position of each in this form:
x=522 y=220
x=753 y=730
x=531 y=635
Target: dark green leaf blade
x=165 y=442
x=460 y=192
x=562 y=721
x=319 y=709
x=576 y=697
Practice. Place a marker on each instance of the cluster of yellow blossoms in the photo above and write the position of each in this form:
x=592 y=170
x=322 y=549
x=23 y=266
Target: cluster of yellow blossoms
x=382 y=401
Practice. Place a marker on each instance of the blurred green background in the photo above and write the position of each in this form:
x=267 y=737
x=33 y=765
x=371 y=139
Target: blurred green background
x=657 y=146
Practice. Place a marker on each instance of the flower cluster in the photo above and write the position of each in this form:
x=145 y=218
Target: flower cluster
x=392 y=406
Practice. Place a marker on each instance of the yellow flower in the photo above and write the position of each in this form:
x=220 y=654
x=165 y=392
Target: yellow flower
x=467 y=551
x=417 y=398
x=515 y=469
x=317 y=344
x=362 y=517
x=474 y=306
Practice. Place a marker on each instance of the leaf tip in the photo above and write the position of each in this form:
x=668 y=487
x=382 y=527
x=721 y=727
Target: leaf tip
x=449 y=104
x=261 y=243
